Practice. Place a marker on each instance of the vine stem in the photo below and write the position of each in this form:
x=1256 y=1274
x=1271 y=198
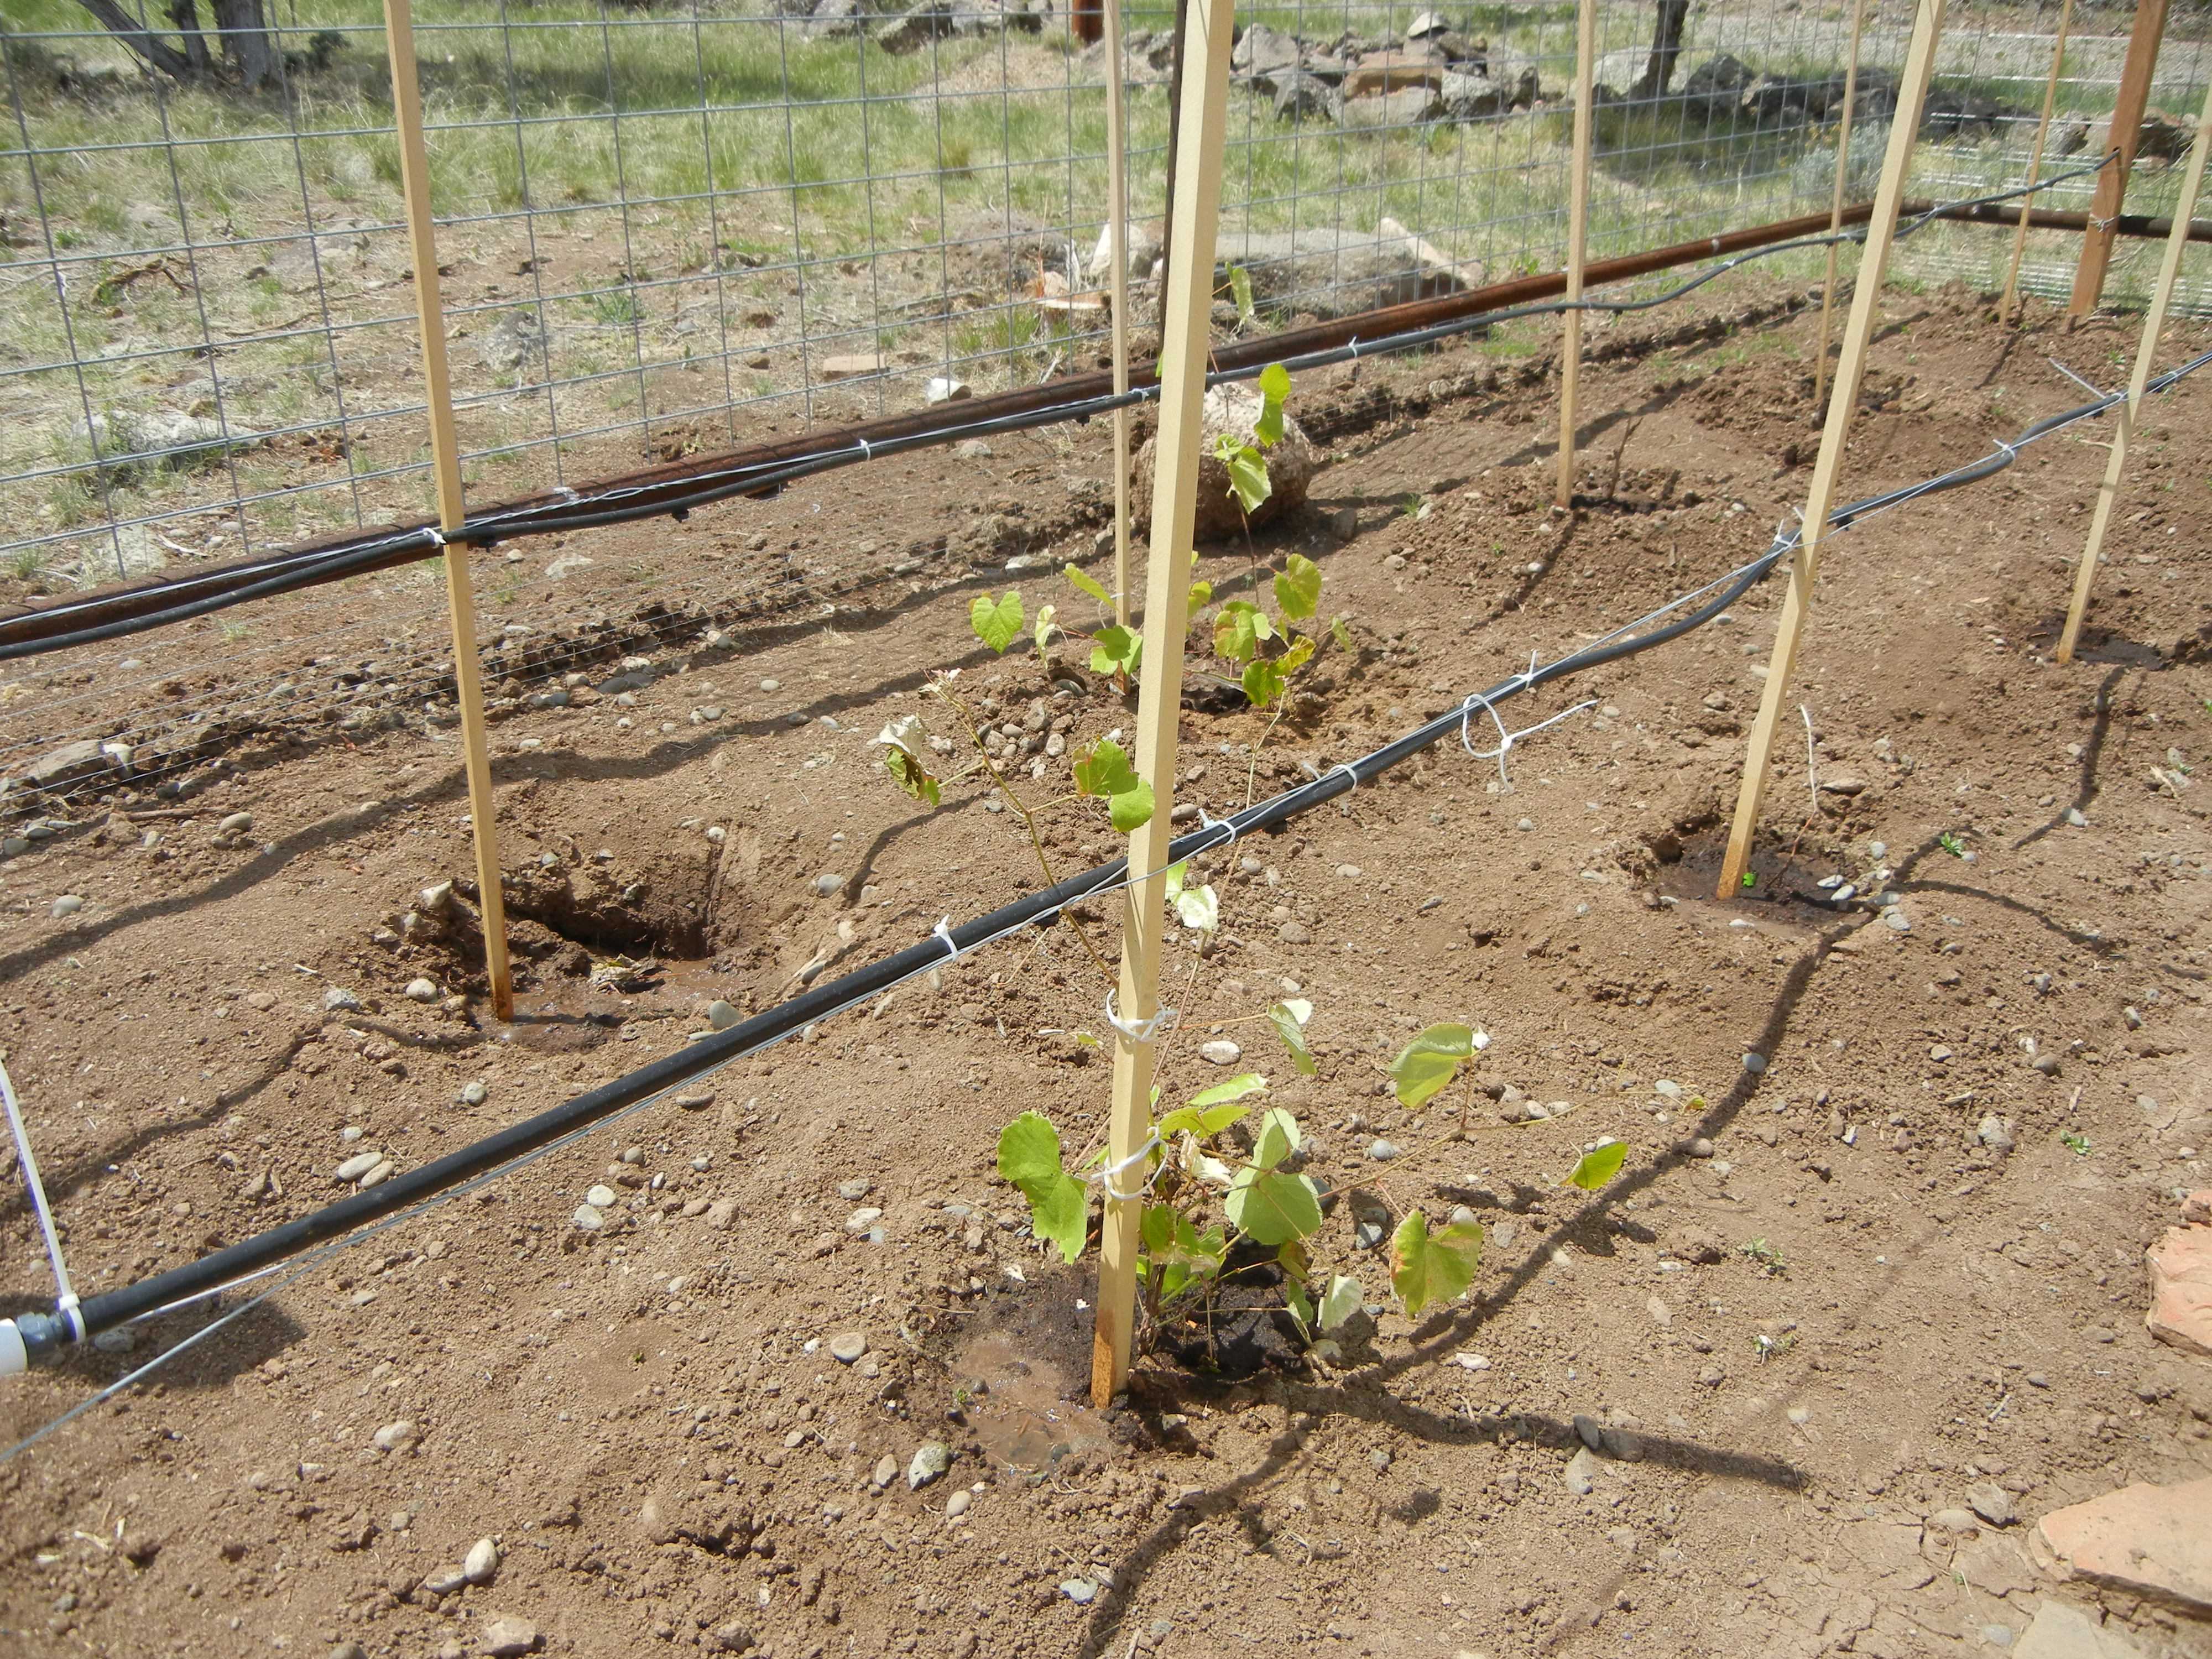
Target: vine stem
x=1027 y=818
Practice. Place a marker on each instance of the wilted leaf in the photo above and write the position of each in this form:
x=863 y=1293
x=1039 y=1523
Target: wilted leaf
x=911 y=775
x=1341 y=631
x=1087 y=584
x=1047 y=624
x=1000 y=624
x=1427 y=1267
x=1341 y=1302
x=1301 y=1307
x=1271 y=1207
x=1430 y=1061
x=1297 y=588
x=1598 y=1165
x=1290 y=1025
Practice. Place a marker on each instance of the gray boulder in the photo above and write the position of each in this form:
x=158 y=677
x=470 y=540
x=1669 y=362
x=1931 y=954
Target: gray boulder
x=1333 y=272
x=1407 y=106
x=1302 y=97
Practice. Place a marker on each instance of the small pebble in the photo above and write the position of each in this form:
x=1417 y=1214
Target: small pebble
x=393 y=1436
x=588 y=1219
x=957 y=1505
x=473 y=1094
x=828 y=884
x=481 y=1562
x=931 y=1459
x=600 y=1197
x=847 y=1347
x=721 y=1015
x=68 y=904
x=422 y=990
x=1220 y=1052
x=237 y=823
x=1383 y=1151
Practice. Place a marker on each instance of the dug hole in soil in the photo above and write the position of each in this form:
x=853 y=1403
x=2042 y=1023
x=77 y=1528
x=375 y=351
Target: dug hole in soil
x=1865 y=1303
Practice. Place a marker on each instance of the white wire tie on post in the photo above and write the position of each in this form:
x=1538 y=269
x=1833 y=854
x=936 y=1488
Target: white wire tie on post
x=1104 y=1178
x=1140 y=1031
x=437 y=536
x=944 y=930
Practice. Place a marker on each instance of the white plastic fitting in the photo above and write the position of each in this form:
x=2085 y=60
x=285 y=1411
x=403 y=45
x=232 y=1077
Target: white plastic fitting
x=14 y=1360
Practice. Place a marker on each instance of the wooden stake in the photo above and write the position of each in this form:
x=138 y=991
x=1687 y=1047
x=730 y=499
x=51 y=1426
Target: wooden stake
x=1570 y=344
x=1203 y=120
x=2128 y=108
x=1858 y=329
x=445 y=458
x=1836 y=201
x=2085 y=578
x=1117 y=247
x=2007 y=307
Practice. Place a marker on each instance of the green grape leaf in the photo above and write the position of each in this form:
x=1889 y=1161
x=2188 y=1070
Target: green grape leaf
x=998 y=625
x=1264 y=682
x=1240 y=289
x=1248 y=472
x=1290 y=1025
x=1298 y=588
x=1105 y=770
x=1341 y=1301
x=1029 y=1157
x=1029 y=1151
x=1274 y=392
x=1239 y=629
x=1189 y=1119
x=1294 y=1261
x=1340 y=631
x=1199 y=909
x=1278 y=1139
x=1271 y=1207
x=1201 y=595
x=1598 y=1165
x=1047 y=624
x=1301 y=1305
x=1428 y=1062
x=1131 y=809
x=1116 y=650
x=1299 y=655
x=1427 y=1267
x=1088 y=584
x=911 y=775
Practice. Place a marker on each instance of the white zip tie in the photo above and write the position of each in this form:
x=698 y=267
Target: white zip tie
x=944 y=930
x=1345 y=767
x=66 y=1300
x=1207 y=820
x=1352 y=344
x=437 y=536
x=1505 y=739
x=866 y=453
x=1140 y=1031
x=1103 y=1179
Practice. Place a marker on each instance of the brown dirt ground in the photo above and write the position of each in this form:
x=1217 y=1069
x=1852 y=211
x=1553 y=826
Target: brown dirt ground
x=1922 y=1313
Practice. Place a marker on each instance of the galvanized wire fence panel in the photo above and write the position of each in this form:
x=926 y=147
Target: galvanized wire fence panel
x=668 y=228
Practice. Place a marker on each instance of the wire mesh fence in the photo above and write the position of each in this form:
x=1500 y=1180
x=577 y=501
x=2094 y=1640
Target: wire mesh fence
x=666 y=229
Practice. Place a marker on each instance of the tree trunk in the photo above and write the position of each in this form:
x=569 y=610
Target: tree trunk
x=155 y=53
x=185 y=16
x=247 y=45
x=1666 y=47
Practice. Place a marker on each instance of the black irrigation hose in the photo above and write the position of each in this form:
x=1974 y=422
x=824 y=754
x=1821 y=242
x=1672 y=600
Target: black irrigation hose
x=607 y=508
x=44 y=1334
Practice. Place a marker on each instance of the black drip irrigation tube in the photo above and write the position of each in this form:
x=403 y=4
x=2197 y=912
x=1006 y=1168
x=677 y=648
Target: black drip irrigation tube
x=36 y=1336
x=622 y=503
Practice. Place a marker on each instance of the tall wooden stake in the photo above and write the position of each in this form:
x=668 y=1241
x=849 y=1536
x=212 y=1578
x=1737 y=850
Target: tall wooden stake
x=1836 y=199
x=2085 y=578
x=1203 y=121
x=2128 y=106
x=1858 y=329
x=445 y=458
x=1570 y=344
x=1117 y=247
x=2008 y=305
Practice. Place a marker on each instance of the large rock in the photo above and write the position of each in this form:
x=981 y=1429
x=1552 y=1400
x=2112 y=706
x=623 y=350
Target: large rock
x=1333 y=272
x=127 y=440
x=73 y=762
x=832 y=18
x=1300 y=96
x=2180 y=1310
x=1389 y=72
x=1231 y=408
x=1474 y=97
x=1262 y=52
x=2061 y=1632
x=1403 y=108
x=2148 y=1541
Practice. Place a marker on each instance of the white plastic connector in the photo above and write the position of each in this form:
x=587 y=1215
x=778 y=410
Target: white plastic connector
x=14 y=1359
